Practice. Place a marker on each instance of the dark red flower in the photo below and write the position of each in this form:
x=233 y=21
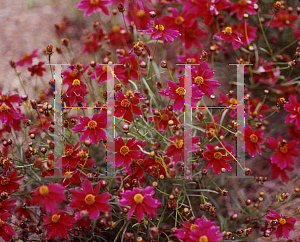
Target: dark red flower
x=229 y=35
x=70 y=157
x=243 y=6
x=162 y=118
x=6 y=230
x=245 y=38
x=281 y=172
x=9 y=116
x=7 y=205
x=8 y=99
x=93 y=6
x=37 y=69
x=9 y=182
x=27 y=58
x=283 y=18
x=252 y=140
x=294 y=109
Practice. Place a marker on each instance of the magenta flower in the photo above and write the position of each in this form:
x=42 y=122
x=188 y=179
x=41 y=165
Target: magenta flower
x=8 y=99
x=93 y=6
x=87 y=200
x=27 y=58
x=243 y=6
x=92 y=128
x=37 y=69
x=294 y=109
x=281 y=172
x=140 y=202
x=283 y=224
x=162 y=118
x=283 y=18
x=252 y=139
x=229 y=35
x=241 y=29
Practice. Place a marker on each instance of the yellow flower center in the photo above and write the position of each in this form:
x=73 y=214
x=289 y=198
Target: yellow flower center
x=44 y=190
x=283 y=149
x=160 y=27
x=68 y=175
x=104 y=68
x=89 y=199
x=253 y=138
x=42 y=121
x=55 y=218
x=26 y=56
x=129 y=94
x=92 y=124
x=212 y=132
x=138 y=198
x=243 y=3
x=228 y=31
x=277 y=5
x=194 y=227
x=82 y=154
x=94 y=2
x=199 y=80
x=203 y=238
x=5 y=181
x=68 y=152
x=3 y=108
x=125 y=103
x=1 y=223
x=298 y=110
x=180 y=91
x=179 y=20
x=218 y=155
x=233 y=101
x=124 y=150
x=282 y=221
x=116 y=29
x=178 y=143
x=4 y=97
x=140 y=13
x=76 y=82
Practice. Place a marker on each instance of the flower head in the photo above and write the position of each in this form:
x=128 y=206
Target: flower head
x=293 y=107
x=229 y=35
x=93 y=6
x=37 y=69
x=27 y=58
x=6 y=230
x=252 y=140
x=9 y=183
x=243 y=6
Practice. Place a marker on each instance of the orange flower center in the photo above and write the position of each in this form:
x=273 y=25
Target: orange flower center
x=76 y=83
x=140 y=13
x=69 y=152
x=124 y=150
x=203 y=238
x=3 y=108
x=212 y=132
x=298 y=110
x=179 y=20
x=165 y=118
x=125 y=103
x=116 y=29
x=243 y=3
x=233 y=101
x=160 y=27
x=104 y=68
x=282 y=221
x=199 y=80
x=180 y=91
x=228 y=31
x=89 y=199
x=283 y=149
x=129 y=94
x=218 y=155
x=253 y=138
x=44 y=190
x=178 y=143
x=140 y=162
x=26 y=56
x=1 y=223
x=92 y=124
x=68 y=175
x=55 y=218
x=94 y=2
x=138 y=198
x=82 y=154
x=277 y=5
x=4 y=97
x=194 y=227
x=5 y=181
x=42 y=121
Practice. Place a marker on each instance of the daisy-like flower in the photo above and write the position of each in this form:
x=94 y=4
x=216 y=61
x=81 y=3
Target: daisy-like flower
x=6 y=230
x=125 y=153
x=71 y=176
x=252 y=140
x=8 y=115
x=229 y=35
x=9 y=183
x=27 y=58
x=281 y=172
x=70 y=157
x=283 y=224
x=58 y=224
x=243 y=6
x=101 y=73
x=241 y=29
x=92 y=128
x=76 y=92
x=7 y=205
x=89 y=200
x=231 y=102
x=37 y=69
x=43 y=122
x=162 y=118
x=285 y=151
x=156 y=166
x=140 y=202
x=48 y=196
x=160 y=30
x=93 y=6
x=8 y=99
x=294 y=109
x=283 y=18
x=218 y=157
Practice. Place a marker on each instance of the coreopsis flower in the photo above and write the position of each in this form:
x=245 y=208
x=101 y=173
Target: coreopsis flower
x=218 y=157
x=49 y=167
x=118 y=37
x=70 y=157
x=89 y=200
x=37 y=69
x=125 y=153
x=93 y=6
x=43 y=123
x=162 y=118
x=283 y=224
x=27 y=58
x=58 y=224
x=7 y=205
x=285 y=151
x=9 y=116
x=176 y=148
x=267 y=74
x=138 y=13
x=245 y=38
x=48 y=196
x=9 y=182
x=293 y=107
x=156 y=166
x=140 y=202
x=23 y=211
x=161 y=31
x=6 y=230
x=201 y=230
x=231 y=102
x=125 y=108
x=277 y=171
x=252 y=140
x=91 y=44
x=8 y=99
x=101 y=73
x=92 y=128
x=283 y=18
x=243 y=6
x=229 y=35
x=73 y=72
x=71 y=176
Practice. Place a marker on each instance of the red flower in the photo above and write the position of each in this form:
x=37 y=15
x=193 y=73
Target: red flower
x=9 y=116
x=70 y=158
x=140 y=202
x=283 y=18
x=243 y=6
x=191 y=36
x=91 y=45
x=6 y=230
x=23 y=211
x=48 y=196
x=37 y=69
x=285 y=151
x=92 y=128
x=76 y=92
x=43 y=122
x=283 y=224
x=218 y=156
x=58 y=224
x=252 y=139
x=162 y=118
x=156 y=166
x=138 y=13
x=8 y=99
x=9 y=183
x=7 y=205
x=27 y=58
x=101 y=73
x=229 y=35
x=71 y=177
x=294 y=109
x=89 y=201
x=93 y=6
x=118 y=37
x=282 y=172
x=241 y=29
